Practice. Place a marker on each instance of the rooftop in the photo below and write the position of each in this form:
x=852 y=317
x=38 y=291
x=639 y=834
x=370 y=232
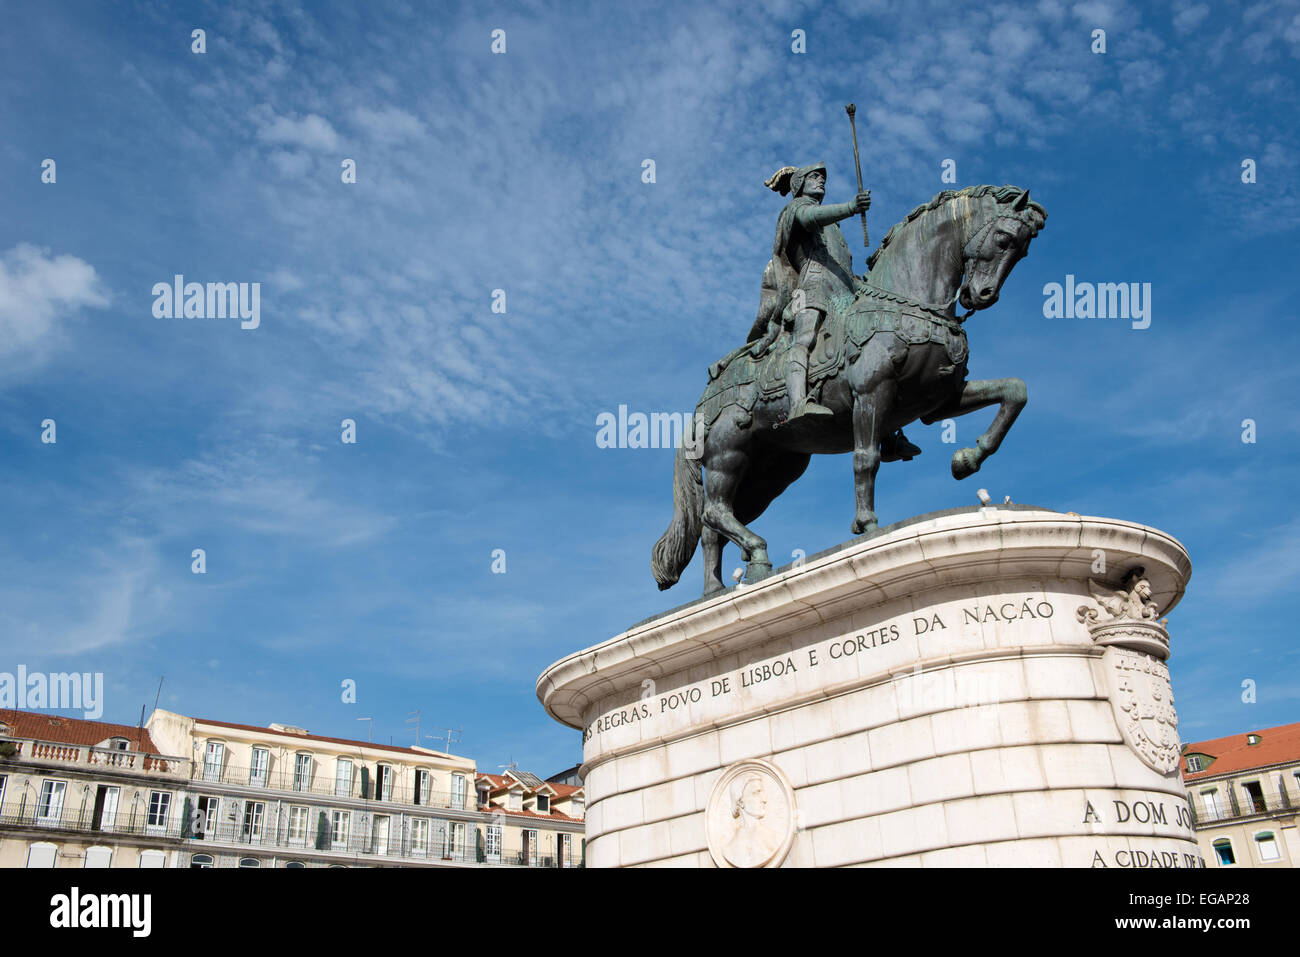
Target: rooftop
x=42 y=726
x=1235 y=753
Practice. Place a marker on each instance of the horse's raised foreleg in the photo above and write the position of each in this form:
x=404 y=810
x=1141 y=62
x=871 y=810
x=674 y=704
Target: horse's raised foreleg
x=712 y=543
x=1010 y=394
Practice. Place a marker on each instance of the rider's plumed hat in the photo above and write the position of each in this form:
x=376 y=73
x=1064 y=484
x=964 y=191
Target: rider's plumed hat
x=789 y=179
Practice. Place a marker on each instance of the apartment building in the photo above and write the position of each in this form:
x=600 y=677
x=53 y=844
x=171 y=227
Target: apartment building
x=538 y=823
x=279 y=796
x=76 y=793
x=1245 y=792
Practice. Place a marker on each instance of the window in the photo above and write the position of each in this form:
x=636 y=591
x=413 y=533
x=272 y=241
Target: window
x=383 y=783
x=420 y=836
x=1256 y=795
x=529 y=853
x=564 y=848
x=1267 y=846
x=1195 y=762
x=41 y=855
x=1212 y=809
x=578 y=807
x=343 y=778
x=1252 y=739
x=201 y=860
x=423 y=783
x=249 y=862
x=516 y=801
x=3 y=779
x=493 y=842
x=456 y=839
x=340 y=826
x=302 y=772
x=1223 y=848
x=483 y=797
x=118 y=744
x=257 y=768
x=254 y=815
x=458 y=790
x=294 y=864
x=153 y=859
x=213 y=756
x=206 y=823
x=160 y=803
x=105 y=812
x=50 y=808
x=298 y=824
x=99 y=856
x=543 y=804
x=379 y=833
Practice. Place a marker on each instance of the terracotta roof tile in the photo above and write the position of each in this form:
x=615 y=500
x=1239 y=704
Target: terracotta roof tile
x=1232 y=754
x=51 y=727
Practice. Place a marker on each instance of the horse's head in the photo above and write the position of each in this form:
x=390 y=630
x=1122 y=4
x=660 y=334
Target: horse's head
x=1001 y=225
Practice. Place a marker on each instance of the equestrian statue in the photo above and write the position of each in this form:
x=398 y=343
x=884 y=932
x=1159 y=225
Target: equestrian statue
x=841 y=363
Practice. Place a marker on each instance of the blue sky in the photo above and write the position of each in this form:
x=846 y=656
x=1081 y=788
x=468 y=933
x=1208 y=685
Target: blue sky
x=476 y=430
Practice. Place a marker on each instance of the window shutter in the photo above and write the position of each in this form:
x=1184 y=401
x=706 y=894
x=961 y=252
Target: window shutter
x=365 y=783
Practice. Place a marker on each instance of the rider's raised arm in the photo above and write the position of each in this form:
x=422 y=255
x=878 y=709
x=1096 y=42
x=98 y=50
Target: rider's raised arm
x=814 y=216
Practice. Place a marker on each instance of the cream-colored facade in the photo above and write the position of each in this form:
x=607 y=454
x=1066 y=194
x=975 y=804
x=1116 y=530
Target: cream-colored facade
x=77 y=793
x=1245 y=793
x=188 y=792
x=281 y=797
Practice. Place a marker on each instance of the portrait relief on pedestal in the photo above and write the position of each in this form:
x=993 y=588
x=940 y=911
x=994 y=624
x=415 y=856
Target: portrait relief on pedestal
x=750 y=817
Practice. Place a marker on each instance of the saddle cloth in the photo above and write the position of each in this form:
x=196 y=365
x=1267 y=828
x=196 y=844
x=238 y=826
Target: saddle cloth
x=739 y=379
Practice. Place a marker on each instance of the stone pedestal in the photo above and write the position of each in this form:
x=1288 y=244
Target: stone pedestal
x=979 y=687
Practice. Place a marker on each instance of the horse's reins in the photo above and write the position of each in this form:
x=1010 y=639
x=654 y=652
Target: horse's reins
x=940 y=308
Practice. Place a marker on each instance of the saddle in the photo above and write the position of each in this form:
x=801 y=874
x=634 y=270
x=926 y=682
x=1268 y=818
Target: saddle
x=740 y=379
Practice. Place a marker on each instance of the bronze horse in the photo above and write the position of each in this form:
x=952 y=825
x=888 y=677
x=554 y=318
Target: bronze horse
x=904 y=358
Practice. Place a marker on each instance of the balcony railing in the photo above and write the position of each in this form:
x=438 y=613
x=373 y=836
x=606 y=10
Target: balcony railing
x=1238 y=803
x=30 y=814
x=368 y=848
x=55 y=753
x=321 y=784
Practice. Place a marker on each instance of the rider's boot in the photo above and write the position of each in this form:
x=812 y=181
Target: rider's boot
x=796 y=384
x=896 y=447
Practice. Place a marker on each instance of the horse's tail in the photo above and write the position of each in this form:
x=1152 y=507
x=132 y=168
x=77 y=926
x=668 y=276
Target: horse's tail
x=673 y=551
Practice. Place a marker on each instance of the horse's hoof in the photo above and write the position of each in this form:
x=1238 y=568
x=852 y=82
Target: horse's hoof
x=714 y=588
x=757 y=571
x=965 y=463
x=862 y=526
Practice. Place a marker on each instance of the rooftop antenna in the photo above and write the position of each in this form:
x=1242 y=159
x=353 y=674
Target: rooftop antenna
x=416 y=721
x=447 y=739
x=372 y=728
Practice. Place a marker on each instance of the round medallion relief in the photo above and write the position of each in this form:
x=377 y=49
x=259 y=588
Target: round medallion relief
x=750 y=817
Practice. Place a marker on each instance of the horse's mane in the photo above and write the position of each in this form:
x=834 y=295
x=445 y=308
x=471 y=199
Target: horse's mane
x=1003 y=194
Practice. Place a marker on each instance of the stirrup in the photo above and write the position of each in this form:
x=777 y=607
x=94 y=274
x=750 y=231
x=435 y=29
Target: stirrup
x=807 y=407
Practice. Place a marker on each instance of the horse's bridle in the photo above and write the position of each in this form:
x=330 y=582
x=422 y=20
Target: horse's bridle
x=941 y=309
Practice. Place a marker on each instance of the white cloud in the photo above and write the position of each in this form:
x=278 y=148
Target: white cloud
x=310 y=132
x=37 y=292
x=387 y=124
x=1188 y=18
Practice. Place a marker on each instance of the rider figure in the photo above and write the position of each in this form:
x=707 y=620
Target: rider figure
x=810 y=245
